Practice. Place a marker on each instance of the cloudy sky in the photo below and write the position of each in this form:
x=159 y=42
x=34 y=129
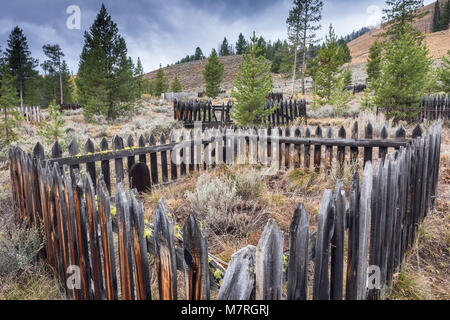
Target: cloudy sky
x=165 y=31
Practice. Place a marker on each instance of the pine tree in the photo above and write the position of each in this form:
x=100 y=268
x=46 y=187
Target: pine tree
x=345 y=50
x=303 y=22
x=20 y=62
x=139 y=75
x=105 y=80
x=176 y=85
x=67 y=84
x=54 y=64
x=251 y=87
x=241 y=45
x=213 y=74
x=436 y=17
x=8 y=101
x=444 y=74
x=198 y=54
x=161 y=84
x=326 y=66
x=374 y=62
x=400 y=14
x=404 y=76
x=224 y=48
x=52 y=129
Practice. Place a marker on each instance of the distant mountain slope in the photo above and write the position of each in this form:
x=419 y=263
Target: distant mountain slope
x=191 y=77
x=438 y=42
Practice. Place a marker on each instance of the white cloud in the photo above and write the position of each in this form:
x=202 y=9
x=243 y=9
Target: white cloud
x=375 y=15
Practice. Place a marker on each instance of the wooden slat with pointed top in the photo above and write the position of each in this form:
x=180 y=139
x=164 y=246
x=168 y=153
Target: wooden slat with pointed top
x=382 y=151
x=298 y=255
x=131 y=159
x=307 y=154
x=124 y=244
x=154 y=162
x=337 y=245
x=164 y=164
x=94 y=241
x=90 y=166
x=118 y=162
x=269 y=263
x=354 y=150
x=141 y=144
x=107 y=240
x=196 y=260
x=325 y=226
x=352 y=251
x=341 y=149
x=82 y=240
x=141 y=265
x=318 y=151
x=105 y=167
x=368 y=134
x=163 y=231
x=239 y=280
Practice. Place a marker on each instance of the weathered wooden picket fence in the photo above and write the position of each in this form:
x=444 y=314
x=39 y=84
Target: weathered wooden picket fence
x=194 y=111
x=432 y=107
x=83 y=227
x=164 y=160
x=30 y=114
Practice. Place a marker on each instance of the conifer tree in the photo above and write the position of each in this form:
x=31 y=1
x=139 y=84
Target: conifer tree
x=241 y=45
x=347 y=57
x=198 y=54
x=445 y=72
x=374 y=62
x=54 y=64
x=176 y=85
x=400 y=14
x=251 y=87
x=19 y=60
x=327 y=66
x=105 y=80
x=8 y=101
x=161 y=84
x=404 y=75
x=213 y=74
x=436 y=17
x=224 y=48
x=303 y=22
x=139 y=75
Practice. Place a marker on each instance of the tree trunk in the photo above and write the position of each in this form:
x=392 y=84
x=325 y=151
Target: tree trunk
x=60 y=87
x=304 y=62
x=6 y=123
x=21 y=94
x=295 y=67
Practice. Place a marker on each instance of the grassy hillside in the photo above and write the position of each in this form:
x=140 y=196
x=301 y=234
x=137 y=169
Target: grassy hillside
x=438 y=42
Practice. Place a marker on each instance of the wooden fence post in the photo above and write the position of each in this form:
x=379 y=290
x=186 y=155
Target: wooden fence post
x=352 y=251
x=107 y=240
x=325 y=226
x=165 y=252
x=269 y=263
x=239 y=280
x=337 y=245
x=196 y=260
x=124 y=243
x=141 y=267
x=363 y=229
x=298 y=255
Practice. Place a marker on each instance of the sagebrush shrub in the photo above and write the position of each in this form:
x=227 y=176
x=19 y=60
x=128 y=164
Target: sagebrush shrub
x=214 y=200
x=19 y=245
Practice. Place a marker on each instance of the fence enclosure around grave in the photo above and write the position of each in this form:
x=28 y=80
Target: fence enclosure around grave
x=432 y=107
x=83 y=227
x=30 y=114
x=286 y=113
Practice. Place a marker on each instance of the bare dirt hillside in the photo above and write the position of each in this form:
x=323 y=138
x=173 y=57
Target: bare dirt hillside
x=191 y=77
x=438 y=42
